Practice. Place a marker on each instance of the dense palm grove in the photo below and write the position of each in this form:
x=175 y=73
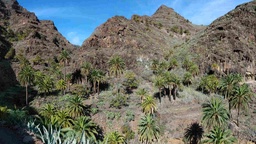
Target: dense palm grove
x=70 y=120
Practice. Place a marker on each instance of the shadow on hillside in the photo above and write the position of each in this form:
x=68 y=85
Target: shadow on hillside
x=8 y=77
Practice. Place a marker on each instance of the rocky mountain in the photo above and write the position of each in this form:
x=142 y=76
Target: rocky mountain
x=141 y=37
x=22 y=33
x=228 y=43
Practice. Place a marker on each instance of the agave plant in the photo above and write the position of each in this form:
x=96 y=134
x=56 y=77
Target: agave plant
x=74 y=140
x=32 y=127
x=50 y=135
x=53 y=135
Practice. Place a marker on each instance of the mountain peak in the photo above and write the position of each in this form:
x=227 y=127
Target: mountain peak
x=163 y=9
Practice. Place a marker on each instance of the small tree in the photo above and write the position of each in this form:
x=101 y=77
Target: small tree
x=194 y=133
x=130 y=80
x=220 y=136
x=187 y=79
x=116 y=65
x=241 y=98
x=149 y=105
x=64 y=58
x=26 y=77
x=114 y=138
x=159 y=82
x=76 y=107
x=142 y=93
x=209 y=83
x=61 y=85
x=85 y=70
x=214 y=113
x=148 y=130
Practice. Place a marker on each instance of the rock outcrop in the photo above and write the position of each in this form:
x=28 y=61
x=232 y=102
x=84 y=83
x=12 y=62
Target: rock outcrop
x=23 y=33
x=229 y=42
x=140 y=37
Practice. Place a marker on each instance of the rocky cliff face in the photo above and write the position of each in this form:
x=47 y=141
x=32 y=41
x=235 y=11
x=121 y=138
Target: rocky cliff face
x=141 y=36
x=23 y=33
x=229 y=42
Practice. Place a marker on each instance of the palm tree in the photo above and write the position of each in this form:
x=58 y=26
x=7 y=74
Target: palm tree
x=100 y=79
x=69 y=80
x=22 y=60
x=46 y=85
x=227 y=85
x=114 y=138
x=64 y=58
x=39 y=76
x=76 y=107
x=175 y=82
x=187 y=64
x=149 y=105
x=159 y=82
x=96 y=77
x=61 y=85
x=48 y=110
x=193 y=69
x=116 y=66
x=26 y=77
x=209 y=83
x=187 y=79
x=214 y=113
x=148 y=129
x=85 y=70
x=142 y=94
x=220 y=136
x=194 y=133
x=87 y=126
x=172 y=63
x=155 y=66
x=63 y=118
x=241 y=98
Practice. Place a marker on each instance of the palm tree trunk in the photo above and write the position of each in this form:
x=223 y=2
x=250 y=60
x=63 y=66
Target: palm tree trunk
x=64 y=74
x=94 y=87
x=229 y=108
x=160 y=95
x=238 y=113
x=26 y=94
x=174 y=91
x=98 y=88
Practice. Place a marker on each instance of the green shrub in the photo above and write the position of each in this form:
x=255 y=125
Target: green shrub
x=37 y=60
x=175 y=29
x=128 y=133
x=136 y=18
x=79 y=90
x=118 y=101
x=110 y=115
x=16 y=117
x=130 y=80
x=3 y=112
x=159 y=25
x=94 y=110
x=129 y=116
x=10 y=54
x=187 y=32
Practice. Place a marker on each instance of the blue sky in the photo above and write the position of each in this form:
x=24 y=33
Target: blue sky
x=77 y=19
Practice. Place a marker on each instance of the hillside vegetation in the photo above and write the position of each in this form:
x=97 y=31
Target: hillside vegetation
x=150 y=79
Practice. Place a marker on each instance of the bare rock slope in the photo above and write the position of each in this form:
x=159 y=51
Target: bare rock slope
x=144 y=37
x=229 y=43
x=22 y=33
